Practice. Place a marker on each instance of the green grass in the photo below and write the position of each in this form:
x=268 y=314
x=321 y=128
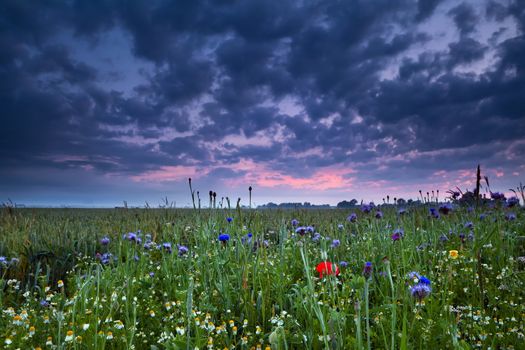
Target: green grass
x=234 y=296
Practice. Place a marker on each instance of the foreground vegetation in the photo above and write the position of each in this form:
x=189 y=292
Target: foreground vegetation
x=428 y=276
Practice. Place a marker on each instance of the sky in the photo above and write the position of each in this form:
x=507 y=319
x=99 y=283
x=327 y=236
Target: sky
x=321 y=101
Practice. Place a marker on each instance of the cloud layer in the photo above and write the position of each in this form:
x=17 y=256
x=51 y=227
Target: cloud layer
x=109 y=100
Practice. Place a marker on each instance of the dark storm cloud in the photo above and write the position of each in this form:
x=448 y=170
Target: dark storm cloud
x=293 y=85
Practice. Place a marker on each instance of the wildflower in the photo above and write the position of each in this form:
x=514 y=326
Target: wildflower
x=367 y=208
x=182 y=250
x=420 y=291
x=510 y=216
x=78 y=339
x=167 y=247
x=17 y=320
x=367 y=270
x=109 y=336
x=512 y=202
x=469 y=224
x=152 y=313
x=453 y=254
x=379 y=214
x=247 y=239
x=31 y=331
x=497 y=196
x=229 y=219
x=340 y=226
x=402 y=211
x=44 y=303
x=434 y=213
x=49 y=341
x=397 y=234
x=445 y=208
x=119 y=324
x=310 y=229
x=60 y=284
x=8 y=341
x=327 y=268
x=85 y=326
x=352 y=217
x=3 y=260
x=69 y=336
x=234 y=330
x=104 y=240
x=336 y=243
x=301 y=230
x=482 y=216
x=295 y=222
x=224 y=237
x=343 y=264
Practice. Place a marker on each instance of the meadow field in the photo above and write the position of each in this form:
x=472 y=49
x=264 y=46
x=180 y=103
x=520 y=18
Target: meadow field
x=433 y=276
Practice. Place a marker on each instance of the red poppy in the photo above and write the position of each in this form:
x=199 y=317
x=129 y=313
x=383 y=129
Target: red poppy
x=327 y=268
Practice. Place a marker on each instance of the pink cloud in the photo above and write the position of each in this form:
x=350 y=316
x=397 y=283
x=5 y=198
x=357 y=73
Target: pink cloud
x=261 y=175
x=168 y=173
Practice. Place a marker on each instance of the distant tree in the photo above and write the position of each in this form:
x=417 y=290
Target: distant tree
x=401 y=201
x=347 y=204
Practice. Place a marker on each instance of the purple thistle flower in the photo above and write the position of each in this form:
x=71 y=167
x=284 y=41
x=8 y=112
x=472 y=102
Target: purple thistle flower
x=104 y=240
x=367 y=270
x=420 y=291
x=182 y=250
x=295 y=222
x=224 y=237
x=352 y=217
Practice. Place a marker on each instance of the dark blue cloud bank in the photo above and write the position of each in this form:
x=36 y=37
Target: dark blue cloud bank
x=103 y=101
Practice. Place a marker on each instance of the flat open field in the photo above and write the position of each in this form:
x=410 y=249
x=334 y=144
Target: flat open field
x=366 y=277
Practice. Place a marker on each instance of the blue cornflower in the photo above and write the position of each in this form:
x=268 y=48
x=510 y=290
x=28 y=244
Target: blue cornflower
x=445 y=208
x=182 y=249
x=434 y=213
x=340 y=226
x=510 y=216
x=229 y=219
x=336 y=243
x=295 y=222
x=104 y=240
x=310 y=229
x=402 y=211
x=379 y=214
x=3 y=260
x=352 y=217
x=301 y=230
x=413 y=275
x=424 y=280
x=224 y=237
x=497 y=196
x=247 y=239
x=482 y=216
x=167 y=247
x=512 y=202
x=343 y=264
x=397 y=234
x=316 y=237
x=44 y=303
x=469 y=224
x=420 y=291
x=367 y=270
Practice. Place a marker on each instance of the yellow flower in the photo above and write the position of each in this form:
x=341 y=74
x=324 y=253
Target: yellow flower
x=69 y=336
x=60 y=283
x=453 y=254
